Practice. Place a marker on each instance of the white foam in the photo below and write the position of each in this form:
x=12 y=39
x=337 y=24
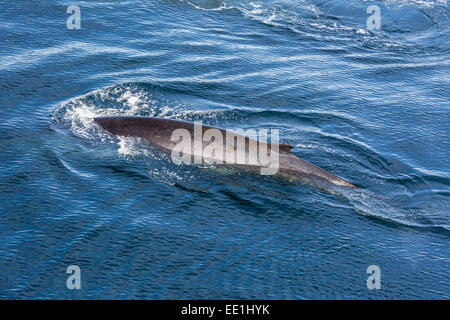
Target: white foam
x=79 y=113
x=199 y=6
x=130 y=146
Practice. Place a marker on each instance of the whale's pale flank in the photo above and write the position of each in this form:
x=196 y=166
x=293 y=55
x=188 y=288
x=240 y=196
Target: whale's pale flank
x=159 y=133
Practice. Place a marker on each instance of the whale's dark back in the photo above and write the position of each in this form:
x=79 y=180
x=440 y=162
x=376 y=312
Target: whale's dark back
x=156 y=131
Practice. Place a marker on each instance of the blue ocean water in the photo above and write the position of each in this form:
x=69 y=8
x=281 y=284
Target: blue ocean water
x=371 y=106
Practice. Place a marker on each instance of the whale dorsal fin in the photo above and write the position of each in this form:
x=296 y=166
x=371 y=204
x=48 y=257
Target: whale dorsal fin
x=286 y=148
x=283 y=147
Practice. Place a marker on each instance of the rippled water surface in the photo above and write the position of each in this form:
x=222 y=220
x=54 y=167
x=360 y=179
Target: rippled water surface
x=370 y=106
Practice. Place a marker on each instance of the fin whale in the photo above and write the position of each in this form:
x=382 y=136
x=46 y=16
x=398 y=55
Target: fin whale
x=158 y=133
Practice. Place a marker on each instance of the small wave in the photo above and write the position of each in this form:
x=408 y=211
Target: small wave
x=379 y=206
x=208 y=5
x=407 y=26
